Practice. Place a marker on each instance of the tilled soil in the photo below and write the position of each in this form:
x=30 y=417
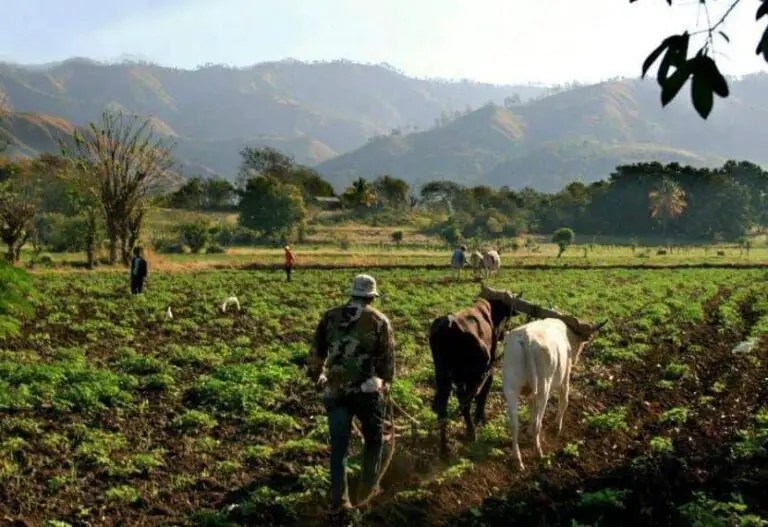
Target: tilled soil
x=494 y=492
x=547 y=493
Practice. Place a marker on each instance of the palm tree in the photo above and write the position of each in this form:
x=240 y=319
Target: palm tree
x=360 y=194
x=667 y=202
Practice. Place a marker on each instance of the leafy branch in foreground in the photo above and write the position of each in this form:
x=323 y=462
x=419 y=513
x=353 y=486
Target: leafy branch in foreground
x=706 y=78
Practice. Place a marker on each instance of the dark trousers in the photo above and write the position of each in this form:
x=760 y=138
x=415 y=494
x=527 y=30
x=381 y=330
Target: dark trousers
x=369 y=409
x=137 y=285
x=288 y=269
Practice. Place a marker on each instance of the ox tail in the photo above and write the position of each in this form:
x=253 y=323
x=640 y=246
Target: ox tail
x=530 y=365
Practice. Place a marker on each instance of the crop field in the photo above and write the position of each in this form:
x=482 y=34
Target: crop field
x=114 y=414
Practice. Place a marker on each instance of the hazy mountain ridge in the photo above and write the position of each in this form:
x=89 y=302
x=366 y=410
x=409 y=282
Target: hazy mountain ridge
x=339 y=117
x=580 y=134
x=313 y=111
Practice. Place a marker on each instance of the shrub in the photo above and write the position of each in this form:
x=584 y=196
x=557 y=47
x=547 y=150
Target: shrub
x=196 y=235
x=563 y=238
x=60 y=233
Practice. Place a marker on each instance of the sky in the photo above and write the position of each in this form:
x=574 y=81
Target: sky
x=497 y=41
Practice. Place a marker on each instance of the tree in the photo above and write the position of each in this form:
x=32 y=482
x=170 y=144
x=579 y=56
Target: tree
x=397 y=237
x=563 y=237
x=445 y=195
x=267 y=161
x=191 y=195
x=196 y=235
x=83 y=184
x=667 y=202
x=359 y=195
x=706 y=79
x=130 y=165
x=391 y=191
x=451 y=234
x=219 y=194
x=272 y=207
x=19 y=197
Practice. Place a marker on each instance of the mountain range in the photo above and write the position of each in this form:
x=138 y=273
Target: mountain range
x=353 y=120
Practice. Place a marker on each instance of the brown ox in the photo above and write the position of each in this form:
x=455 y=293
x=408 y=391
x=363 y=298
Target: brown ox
x=463 y=351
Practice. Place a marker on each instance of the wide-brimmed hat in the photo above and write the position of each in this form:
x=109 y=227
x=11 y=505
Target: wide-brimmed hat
x=364 y=286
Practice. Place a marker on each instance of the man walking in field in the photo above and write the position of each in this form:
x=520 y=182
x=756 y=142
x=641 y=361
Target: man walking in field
x=138 y=272
x=353 y=357
x=288 y=262
x=458 y=260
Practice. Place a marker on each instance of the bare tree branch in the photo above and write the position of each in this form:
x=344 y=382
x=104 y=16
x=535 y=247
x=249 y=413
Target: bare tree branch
x=130 y=165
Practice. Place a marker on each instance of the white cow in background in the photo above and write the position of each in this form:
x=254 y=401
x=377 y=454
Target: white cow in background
x=491 y=262
x=539 y=356
x=476 y=261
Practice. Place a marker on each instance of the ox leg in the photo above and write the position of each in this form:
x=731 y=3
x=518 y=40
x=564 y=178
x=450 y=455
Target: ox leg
x=440 y=407
x=465 y=402
x=512 y=401
x=532 y=415
x=562 y=404
x=481 y=401
x=541 y=407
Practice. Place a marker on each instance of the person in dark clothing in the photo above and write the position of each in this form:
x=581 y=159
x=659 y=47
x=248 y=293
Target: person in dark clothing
x=288 y=262
x=138 y=272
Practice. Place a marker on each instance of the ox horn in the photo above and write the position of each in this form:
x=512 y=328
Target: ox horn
x=598 y=326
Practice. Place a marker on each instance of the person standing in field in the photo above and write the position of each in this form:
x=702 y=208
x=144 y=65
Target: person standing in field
x=458 y=260
x=354 y=349
x=138 y=272
x=288 y=262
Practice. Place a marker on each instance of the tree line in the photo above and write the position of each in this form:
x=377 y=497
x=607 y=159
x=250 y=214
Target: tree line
x=97 y=191
x=642 y=199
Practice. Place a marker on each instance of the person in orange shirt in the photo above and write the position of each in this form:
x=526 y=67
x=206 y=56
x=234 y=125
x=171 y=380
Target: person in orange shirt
x=288 y=262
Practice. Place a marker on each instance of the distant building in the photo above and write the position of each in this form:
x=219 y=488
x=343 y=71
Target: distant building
x=328 y=203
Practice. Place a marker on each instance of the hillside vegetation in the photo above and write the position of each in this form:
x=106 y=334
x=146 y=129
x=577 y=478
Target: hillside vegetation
x=579 y=134
x=311 y=111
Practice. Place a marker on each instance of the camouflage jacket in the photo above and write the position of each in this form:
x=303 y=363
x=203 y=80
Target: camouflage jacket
x=352 y=343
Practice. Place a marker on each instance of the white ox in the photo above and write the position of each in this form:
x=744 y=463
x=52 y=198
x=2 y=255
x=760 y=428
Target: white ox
x=476 y=261
x=539 y=356
x=491 y=262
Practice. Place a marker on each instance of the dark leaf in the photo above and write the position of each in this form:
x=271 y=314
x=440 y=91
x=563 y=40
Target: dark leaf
x=671 y=86
x=702 y=94
x=762 y=47
x=654 y=55
x=670 y=57
x=707 y=67
x=682 y=49
x=724 y=36
x=663 y=71
x=762 y=10
x=676 y=55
